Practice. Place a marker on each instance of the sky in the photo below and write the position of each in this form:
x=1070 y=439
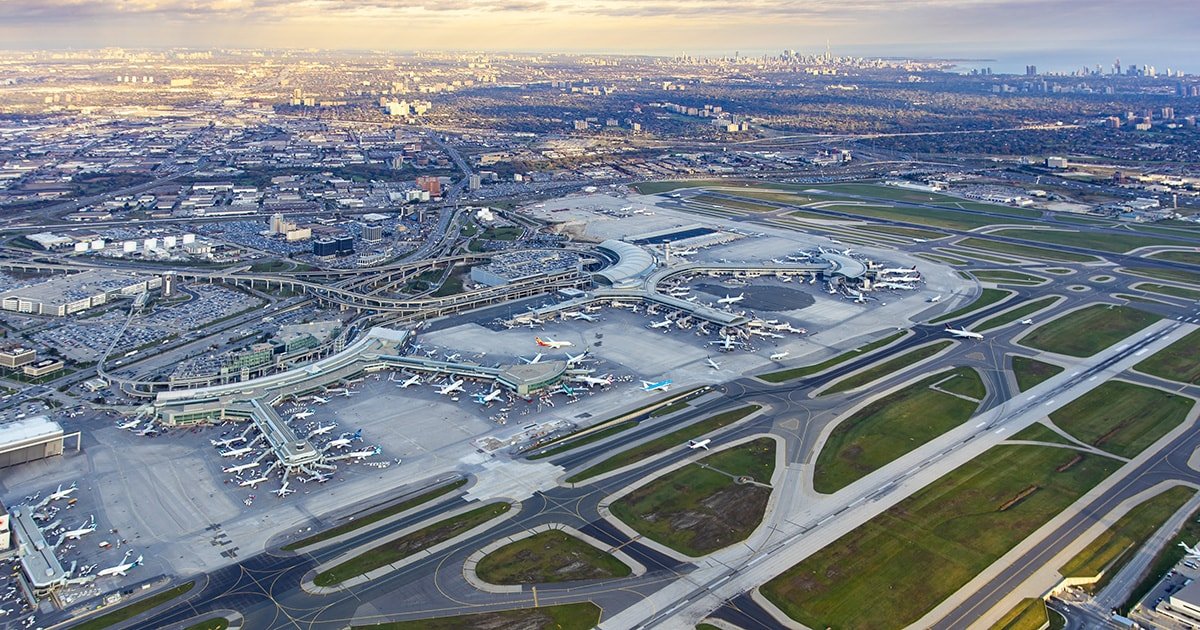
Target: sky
x=1094 y=31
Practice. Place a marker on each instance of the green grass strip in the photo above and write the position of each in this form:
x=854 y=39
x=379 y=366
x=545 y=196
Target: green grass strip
x=375 y=517
x=1018 y=313
x=125 y=613
x=1119 y=543
x=1029 y=614
x=660 y=444
x=1179 y=361
x=410 y=544
x=987 y=298
x=1089 y=330
x=800 y=372
x=881 y=370
x=582 y=616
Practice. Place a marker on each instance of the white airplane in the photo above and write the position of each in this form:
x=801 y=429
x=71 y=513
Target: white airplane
x=779 y=356
x=1192 y=552
x=60 y=493
x=695 y=444
x=300 y=415
x=713 y=364
x=284 y=490
x=647 y=386
x=319 y=400
x=489 y=397
x=229 y=442
x=536 y=359
x=149 y=430
x=87 y=528
x=347 y=393
x=132 y=424
x=727 y=343
x=663 y=324
x=322 y=430
x=552 y=344
x=584 y=316
x=414 y=380
x=451 y=387
x=250 y=483
x=1026 y=322
x=365 y=453
x=592 y=380
x=239 y=468
x=576 y=358
x=236 y=452
x=121 y=569
x=963 y=333
x=319 y=478
x=936 y=298
x=732 y=300
x=591 y=309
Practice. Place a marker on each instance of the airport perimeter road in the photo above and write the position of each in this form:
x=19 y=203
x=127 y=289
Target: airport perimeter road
x=811 y=528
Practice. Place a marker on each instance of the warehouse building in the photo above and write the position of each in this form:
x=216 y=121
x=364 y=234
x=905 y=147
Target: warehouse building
x=60 y=296
x=31 y=439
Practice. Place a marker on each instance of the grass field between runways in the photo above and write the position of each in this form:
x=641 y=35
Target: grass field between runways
x=890 y=571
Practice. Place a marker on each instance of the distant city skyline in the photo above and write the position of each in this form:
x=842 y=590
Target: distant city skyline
x=1059 y=34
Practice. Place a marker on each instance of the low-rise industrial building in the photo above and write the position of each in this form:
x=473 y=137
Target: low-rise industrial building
x=31 y=439
x=64 y=295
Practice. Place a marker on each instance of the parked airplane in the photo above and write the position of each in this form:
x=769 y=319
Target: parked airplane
x=779 y=356
x=322 y=430
x=236 y=452
x=552 y=344
x=489 y=397
x=300 y=415
x=250 y=483
x=963 y=333
x=732 y=300
x=365 y=453
x=88 y=527
x=121 y=569
x=132 y=424
x=584 y=316
x=592 y=380
x=347 y=393
x=319 y=400
x=60 y=493
x=727 y=343
x=695 y=444
x=229 y=442
x=1192 y=552
x=414 y=380
x=317 y=477
x=451 y=387
x=536 y=359
x=284 y=490
x=647 y=386
x=341 y=442
x=576 y=358
x=239 y=468
x=663 y=324
x=713 y=364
